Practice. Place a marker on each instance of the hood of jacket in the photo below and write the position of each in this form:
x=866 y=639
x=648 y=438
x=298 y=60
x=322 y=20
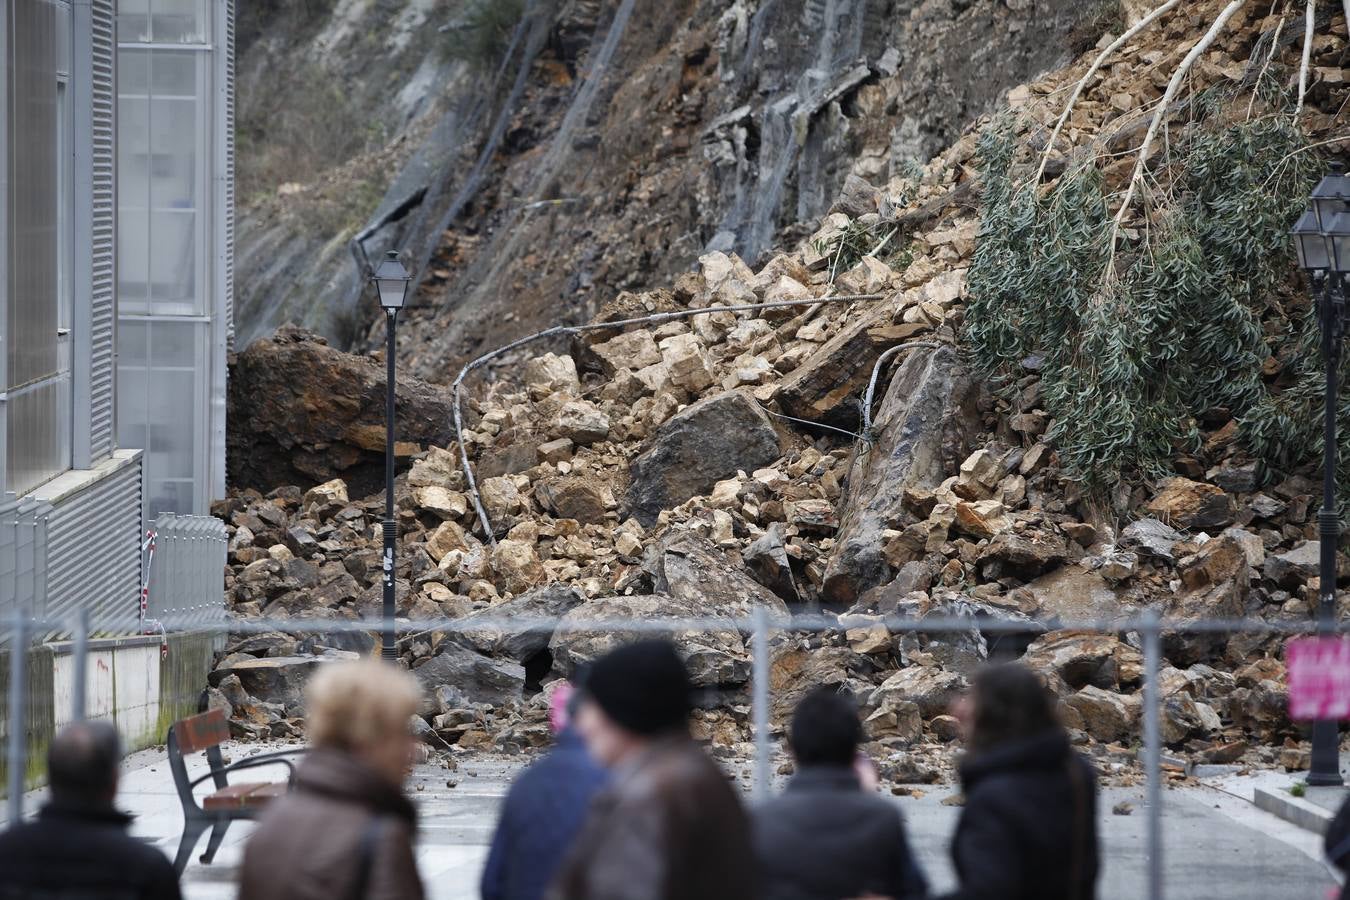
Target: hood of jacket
x=1047 y=751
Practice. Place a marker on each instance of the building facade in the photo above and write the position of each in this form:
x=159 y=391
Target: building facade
x=175 y=233
x=116 y=233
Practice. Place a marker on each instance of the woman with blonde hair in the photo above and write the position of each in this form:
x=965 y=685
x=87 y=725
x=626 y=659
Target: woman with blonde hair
x=346 y=830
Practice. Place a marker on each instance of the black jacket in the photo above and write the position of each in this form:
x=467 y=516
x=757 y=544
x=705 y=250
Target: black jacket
x=1029 y=827
x=82 y=854
x=826 y=839
x=1337 y=844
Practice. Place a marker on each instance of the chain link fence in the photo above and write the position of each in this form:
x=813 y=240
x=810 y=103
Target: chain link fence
x=757 y=634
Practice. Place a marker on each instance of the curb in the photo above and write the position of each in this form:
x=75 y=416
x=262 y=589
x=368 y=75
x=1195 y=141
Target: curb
x=1297 y=810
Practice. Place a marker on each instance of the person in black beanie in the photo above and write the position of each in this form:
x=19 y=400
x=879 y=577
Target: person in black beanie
x=669 y=826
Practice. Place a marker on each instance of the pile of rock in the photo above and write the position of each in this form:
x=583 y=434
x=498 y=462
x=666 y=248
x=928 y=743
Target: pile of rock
x=695 y=467
x=655 y=473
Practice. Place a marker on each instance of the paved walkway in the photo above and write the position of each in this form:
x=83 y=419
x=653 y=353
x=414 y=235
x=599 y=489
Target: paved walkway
x=1217 y=843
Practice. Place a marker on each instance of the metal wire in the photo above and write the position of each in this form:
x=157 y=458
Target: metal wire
x=779 y=621
x=876 y=373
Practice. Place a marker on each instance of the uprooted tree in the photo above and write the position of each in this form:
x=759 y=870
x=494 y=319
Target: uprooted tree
x=1153 y=281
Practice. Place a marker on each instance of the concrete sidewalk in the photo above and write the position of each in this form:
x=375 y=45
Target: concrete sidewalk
x=1286 y=796
x=1216 y=842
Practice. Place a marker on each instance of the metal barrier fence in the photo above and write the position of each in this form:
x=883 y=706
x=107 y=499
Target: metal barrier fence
x=1144 y=632
x=187 y=576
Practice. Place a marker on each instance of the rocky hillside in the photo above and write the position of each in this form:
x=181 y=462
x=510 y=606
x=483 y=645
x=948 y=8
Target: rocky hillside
x=534 y=158
x=710 y=461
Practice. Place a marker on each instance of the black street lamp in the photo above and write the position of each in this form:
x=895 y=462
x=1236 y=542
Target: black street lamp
x=391 y=280
x=1322 y=238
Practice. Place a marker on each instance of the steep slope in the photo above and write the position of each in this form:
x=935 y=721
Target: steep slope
x=595 y=148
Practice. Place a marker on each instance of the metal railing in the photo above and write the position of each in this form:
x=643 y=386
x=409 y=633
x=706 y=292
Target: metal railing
x=1144 y=632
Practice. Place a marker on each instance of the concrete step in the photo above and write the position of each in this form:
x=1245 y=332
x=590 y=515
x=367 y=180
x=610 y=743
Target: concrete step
x=1311 y=812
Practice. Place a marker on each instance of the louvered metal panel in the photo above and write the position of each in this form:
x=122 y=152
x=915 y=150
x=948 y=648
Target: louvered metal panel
x=103 y=236
x=23 y=556
x=94 y=552
x=187 y=581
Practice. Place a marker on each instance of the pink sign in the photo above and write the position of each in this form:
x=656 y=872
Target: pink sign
x=1319 y=677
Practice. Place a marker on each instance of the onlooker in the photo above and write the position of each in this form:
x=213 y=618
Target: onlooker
x=826 y=838
x=544 y=811
x=79 y=846
x=670 y=826
x=1337 y=846
x=1029 y=826
x=347 y=829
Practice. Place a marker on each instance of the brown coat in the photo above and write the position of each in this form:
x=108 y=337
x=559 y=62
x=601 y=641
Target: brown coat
x=307 y=845
x=669 y=828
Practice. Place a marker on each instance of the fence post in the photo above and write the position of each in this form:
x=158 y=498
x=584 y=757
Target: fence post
x=15 y=759
x=1153 y=750
x=80 y=650
x=760 y=702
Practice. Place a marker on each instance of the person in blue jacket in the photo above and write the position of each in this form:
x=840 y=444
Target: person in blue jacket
x=543 y=813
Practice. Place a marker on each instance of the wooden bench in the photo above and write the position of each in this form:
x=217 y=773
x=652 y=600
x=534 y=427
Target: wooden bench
x=205 y=733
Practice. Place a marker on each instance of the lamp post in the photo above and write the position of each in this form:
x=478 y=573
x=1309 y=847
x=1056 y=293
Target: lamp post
x=1322 y=238
x=391 y=280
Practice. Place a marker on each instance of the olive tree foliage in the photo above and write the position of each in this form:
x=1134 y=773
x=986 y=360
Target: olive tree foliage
x=1199 y=301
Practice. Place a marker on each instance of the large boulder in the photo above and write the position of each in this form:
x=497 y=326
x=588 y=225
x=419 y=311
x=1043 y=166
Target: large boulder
x=1024 y=554
x=1151 y=538
x=795 y=669
x=277 y=679
x=1106 y=715
x=541 y=608
x=582 y=497
x=921 y=431
x=302 y=412
x=692 y=571
x=476 y=678
x=1193 y=505
x=768 y=561
x=716 y=655
x=1294 y=567
x=1073 y=592
x=1215 y=582
x=932 y=689
x=1079 y=658
x=699 y=446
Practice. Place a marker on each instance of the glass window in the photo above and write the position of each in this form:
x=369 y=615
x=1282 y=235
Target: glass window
x=178 y=21
x=162 y=21
x=161 y=367
x=173 y=262
x=162 y=162
x=133 y=260
x=133 y=21
x=39 y=277
x=133 y=72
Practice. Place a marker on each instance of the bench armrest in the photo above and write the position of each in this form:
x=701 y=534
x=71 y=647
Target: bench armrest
x=253 y=762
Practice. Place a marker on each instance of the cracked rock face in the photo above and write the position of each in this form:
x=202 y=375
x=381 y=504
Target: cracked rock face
x=921 y=420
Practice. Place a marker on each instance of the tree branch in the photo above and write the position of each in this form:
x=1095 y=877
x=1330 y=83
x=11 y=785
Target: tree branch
x=1308 y=27
x=1172 y=87
x=1092 y=70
